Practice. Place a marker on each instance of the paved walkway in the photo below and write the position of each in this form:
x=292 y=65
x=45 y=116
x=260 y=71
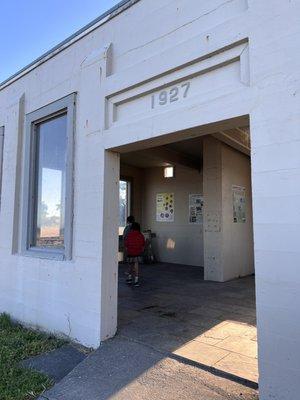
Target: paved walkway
x=173 y=331
x=175 y=310
x=124 y=370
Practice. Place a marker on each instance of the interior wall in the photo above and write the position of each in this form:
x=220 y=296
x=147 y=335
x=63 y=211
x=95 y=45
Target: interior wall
x=238 y=252
x=179 y=241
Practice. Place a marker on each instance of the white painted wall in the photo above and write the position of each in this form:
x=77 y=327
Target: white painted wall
x=275 y=121
x=212 y=222
x=242 y=58
x=238 y=250
x=228 y=246
x=179 y=241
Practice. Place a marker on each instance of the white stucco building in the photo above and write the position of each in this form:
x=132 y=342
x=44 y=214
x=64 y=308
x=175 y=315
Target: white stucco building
x=152 y=74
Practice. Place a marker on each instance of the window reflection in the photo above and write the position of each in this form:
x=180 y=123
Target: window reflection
x=51 y=145
x=124 y=205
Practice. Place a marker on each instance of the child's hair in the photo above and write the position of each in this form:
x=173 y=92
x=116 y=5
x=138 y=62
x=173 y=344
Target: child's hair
x=130 y=219
x=136 y=227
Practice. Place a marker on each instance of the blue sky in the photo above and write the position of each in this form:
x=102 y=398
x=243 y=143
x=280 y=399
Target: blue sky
x=30 y=28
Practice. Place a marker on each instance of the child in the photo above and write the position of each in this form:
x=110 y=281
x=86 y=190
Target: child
x=130 y=220
x=135 y=245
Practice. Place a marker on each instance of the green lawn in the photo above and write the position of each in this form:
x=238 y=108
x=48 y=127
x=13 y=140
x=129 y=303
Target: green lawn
x=16 y=344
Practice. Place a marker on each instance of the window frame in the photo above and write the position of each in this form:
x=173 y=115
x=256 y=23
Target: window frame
x=60 y=107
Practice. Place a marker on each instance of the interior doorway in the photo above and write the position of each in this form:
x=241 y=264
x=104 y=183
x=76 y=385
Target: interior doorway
x=124 y=203
x=192 y=197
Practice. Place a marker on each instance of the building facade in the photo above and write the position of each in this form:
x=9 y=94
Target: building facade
x=145 y=74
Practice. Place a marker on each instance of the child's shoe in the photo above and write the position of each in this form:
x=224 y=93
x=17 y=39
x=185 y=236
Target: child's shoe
x=129 y=279
x=136 y=282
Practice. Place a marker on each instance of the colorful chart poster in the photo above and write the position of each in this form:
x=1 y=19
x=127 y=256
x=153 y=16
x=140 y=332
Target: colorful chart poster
x=239 y=204
x=195 y=209
x=165 y=207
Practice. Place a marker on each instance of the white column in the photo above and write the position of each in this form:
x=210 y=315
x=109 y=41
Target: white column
x=228 y=244
x=109 y=260
x=212 y=191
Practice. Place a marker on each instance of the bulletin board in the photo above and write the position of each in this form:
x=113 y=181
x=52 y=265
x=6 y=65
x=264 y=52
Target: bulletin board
x=239 y=204
x=195 y=209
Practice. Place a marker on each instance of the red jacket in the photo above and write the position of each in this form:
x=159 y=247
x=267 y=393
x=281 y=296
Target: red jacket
x=134 y=243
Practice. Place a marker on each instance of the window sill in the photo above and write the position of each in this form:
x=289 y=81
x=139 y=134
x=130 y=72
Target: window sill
x=45 y=254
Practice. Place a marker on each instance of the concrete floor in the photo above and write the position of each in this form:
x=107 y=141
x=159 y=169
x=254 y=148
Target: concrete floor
x=168 y=327
x=175 y=311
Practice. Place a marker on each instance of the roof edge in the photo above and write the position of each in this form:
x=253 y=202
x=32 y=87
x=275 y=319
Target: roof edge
x=91 y=26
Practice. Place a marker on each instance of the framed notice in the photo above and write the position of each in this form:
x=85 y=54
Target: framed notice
x=165 y=207
x=239 y=204
x=195 y=209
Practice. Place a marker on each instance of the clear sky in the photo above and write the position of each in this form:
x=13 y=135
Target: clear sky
x=30 y=28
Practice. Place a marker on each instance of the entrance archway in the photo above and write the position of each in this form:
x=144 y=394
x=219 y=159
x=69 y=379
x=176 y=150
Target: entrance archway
x=220 y=223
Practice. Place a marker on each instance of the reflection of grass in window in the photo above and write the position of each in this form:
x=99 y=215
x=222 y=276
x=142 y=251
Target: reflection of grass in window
x=50 y=204
x=16 y=344
x=49 y=226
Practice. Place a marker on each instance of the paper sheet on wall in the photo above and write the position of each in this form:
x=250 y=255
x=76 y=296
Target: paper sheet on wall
x=239 y=204
x=165 y=207
x=195 y=209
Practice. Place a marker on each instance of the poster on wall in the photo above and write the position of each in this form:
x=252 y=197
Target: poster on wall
x=165 y=207
x=239 y=204
x=195 y=209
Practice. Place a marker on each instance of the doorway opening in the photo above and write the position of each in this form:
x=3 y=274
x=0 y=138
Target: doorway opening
x=192 y=197
x=124 y=203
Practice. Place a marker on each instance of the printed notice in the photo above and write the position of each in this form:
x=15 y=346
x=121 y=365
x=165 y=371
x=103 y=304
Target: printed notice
x=165 y=207
x=239 y=204
x=195 y=209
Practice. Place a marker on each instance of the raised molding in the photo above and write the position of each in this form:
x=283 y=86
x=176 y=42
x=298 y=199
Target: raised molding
x=134 y=101
x=104 y=54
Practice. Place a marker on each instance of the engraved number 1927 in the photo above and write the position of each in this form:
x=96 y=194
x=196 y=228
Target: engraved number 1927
x=171 y=95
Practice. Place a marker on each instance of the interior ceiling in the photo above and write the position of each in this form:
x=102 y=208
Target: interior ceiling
x=187 y=152
x=152 y=158
x=136 y=159
x=193 y=147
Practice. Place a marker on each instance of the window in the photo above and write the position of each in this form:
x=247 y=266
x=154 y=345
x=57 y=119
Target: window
x=48 y=196
x=169 y=172
x=124 y=204
x=1 y=157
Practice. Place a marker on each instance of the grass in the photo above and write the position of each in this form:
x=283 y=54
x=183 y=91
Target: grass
x=16 y=344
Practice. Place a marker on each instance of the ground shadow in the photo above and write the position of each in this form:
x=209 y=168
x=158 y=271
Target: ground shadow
x=159 y=348
x=208 y=323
